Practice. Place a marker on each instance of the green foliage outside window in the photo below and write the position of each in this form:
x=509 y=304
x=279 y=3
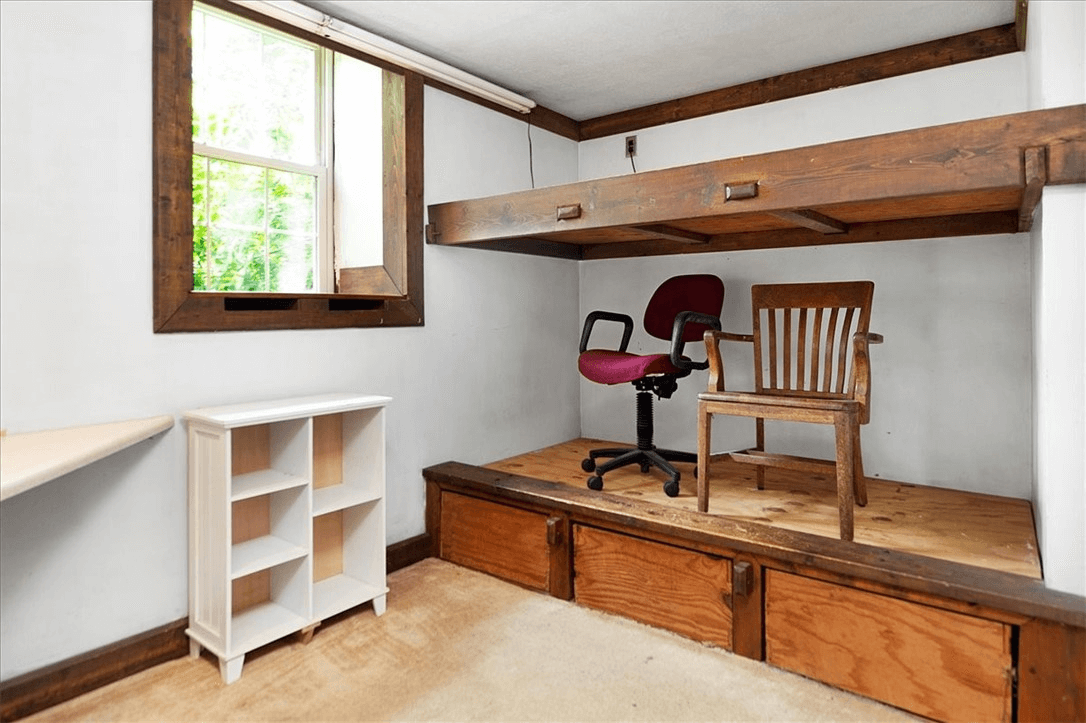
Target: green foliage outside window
x=254 y=225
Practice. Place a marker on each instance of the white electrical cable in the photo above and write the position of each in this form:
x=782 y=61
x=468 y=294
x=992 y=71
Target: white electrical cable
x=314 y=21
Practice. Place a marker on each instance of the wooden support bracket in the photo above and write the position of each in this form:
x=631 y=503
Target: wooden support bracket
x=432 y=234
x=671 y=233
x=1035 y=170
x=812 y=220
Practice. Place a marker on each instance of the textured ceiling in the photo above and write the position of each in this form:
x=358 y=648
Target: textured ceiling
x=585 y=59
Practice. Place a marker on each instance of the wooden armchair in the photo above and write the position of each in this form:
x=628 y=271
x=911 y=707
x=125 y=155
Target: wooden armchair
x=810 y=365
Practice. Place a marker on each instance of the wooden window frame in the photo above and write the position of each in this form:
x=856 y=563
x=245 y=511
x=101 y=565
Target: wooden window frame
x=387 y=295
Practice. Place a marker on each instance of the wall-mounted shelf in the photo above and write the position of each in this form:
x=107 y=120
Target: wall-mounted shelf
x=32 y=459
x=973 y=177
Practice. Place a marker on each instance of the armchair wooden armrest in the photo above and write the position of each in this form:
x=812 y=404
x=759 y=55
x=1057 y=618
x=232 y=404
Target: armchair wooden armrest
x=862 y=369
x=712 y=355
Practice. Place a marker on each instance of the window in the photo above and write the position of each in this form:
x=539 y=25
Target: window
x=249 y=115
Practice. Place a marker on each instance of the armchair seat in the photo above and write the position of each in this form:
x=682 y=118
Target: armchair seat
x=751 y=400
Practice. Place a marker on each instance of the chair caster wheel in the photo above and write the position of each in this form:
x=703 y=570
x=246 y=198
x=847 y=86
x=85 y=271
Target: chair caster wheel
x=595 y=483
x=588 y=464
x=671 y=488
x=645 y=467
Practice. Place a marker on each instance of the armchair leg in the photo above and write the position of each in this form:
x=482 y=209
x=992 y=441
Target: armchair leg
x=843 y=426
x=705 y=429
x=859 y=482
x=759 y=444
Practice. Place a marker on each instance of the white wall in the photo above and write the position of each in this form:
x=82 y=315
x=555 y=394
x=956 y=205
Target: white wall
x=1056 y=60
x=951 y=401
x=100 y=554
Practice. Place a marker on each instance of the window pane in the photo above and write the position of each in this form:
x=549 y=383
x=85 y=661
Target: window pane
x=236 y=195
x=254 y=229
x=292 y=226
x=252 y=91
x=237 y=260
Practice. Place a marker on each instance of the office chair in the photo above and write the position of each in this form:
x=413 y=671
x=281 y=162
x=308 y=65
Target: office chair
x=682 y=309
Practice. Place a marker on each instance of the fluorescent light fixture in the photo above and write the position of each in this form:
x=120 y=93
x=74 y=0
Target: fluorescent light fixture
x=314 y=21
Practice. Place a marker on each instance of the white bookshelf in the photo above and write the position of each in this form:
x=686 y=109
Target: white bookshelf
x=286 y=519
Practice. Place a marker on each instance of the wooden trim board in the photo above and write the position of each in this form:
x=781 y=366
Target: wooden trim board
x=975 y=45
x=40 y=689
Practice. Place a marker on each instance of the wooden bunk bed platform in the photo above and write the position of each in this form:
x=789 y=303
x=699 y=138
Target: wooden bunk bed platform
x=973 y=529
x=961 y=179
x=937 y=607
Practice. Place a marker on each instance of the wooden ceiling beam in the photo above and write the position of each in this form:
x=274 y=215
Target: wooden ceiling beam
x=1021 y=8
x=975 y=45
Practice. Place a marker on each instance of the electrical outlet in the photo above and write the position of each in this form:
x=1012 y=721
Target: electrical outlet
x=631 y=146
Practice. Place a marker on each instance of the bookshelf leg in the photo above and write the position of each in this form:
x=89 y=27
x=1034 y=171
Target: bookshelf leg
x=231 y=669
x=305 y=635
x=379 y=604
x=194 y=648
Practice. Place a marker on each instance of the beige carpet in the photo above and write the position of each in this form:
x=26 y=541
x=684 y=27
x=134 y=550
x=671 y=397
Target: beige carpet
x=457 y=645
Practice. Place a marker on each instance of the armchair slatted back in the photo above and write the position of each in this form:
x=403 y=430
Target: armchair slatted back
x=803 y=337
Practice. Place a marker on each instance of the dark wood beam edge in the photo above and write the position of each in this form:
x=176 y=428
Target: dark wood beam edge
x=540 y=117
x=975 y=45
x=532 y=247
x=1013 y=594
x=997 y=222
x=1021 y=10
x=1035 y=172
x=40 y=689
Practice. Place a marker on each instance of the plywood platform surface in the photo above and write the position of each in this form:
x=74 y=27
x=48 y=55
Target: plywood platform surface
x=965 y=527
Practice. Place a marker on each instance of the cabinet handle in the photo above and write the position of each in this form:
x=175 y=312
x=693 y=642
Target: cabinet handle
x=737 y=191
x=566 y=213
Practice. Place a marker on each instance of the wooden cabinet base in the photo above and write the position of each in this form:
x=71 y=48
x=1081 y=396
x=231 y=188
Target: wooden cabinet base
x=942 y=639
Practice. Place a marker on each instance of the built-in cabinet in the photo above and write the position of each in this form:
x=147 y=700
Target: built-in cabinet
x=286 y=519
x=943 y=640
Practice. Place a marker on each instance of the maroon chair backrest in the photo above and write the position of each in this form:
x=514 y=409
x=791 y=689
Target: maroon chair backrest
x=703 y=293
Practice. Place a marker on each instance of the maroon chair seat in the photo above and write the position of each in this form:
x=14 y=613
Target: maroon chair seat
x=604 y=366
x=681 y=310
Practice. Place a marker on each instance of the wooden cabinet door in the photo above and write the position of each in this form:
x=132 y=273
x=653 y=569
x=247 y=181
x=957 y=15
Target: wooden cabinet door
x=680 y=590
x=939 y=664
x=503 y=541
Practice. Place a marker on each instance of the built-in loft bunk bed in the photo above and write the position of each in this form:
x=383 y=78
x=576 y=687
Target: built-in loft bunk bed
x=961 y=179
x=952 y=624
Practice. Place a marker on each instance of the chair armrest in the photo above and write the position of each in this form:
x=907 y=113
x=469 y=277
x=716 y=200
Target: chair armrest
x=862 y=369
x=679 y=329
x=593 y=317
x=716 y=362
